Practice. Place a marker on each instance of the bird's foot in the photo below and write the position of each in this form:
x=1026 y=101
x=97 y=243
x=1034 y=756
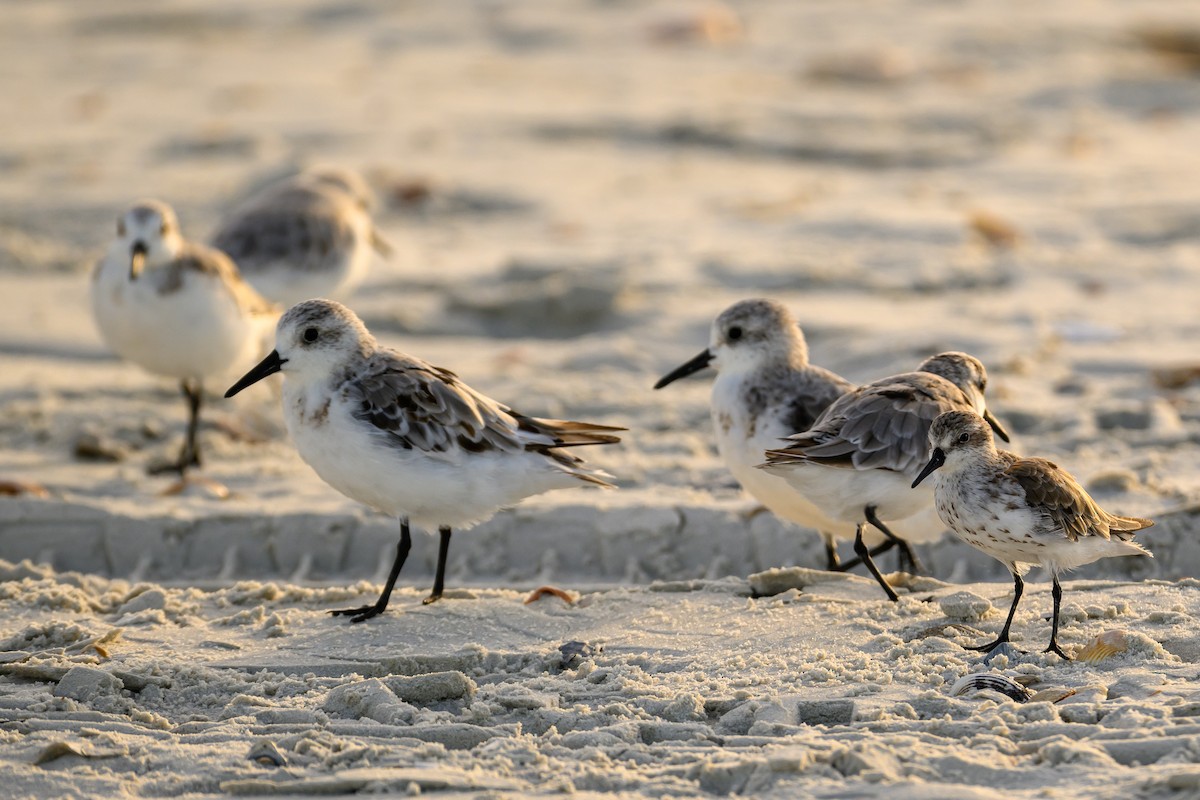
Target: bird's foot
x=187 y=460
x=433 y=598
x=360 y=614
x=987 y=648
x=167 y=468
x=1054 y=648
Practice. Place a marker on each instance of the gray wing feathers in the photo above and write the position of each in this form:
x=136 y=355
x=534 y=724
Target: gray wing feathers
x=878 y=426
x=428 y=409
x=306 y=234
x=423 y=407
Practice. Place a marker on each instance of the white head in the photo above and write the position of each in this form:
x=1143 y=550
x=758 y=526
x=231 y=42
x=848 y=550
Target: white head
x=148 y=235
x=746 y=336
x=955 y=438
x=312 y=341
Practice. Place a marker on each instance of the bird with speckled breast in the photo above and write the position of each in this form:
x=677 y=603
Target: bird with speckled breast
x=1020 y=511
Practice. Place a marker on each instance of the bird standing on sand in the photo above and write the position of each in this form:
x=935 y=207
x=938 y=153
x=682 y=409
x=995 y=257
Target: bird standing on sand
x=858 y=460
x=308 y=236
x=176 y=308
x=766 y=390
x=1020 y=511
x=408 y=438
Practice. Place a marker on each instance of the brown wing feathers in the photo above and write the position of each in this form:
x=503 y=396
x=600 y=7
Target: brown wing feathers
x=1065 y=504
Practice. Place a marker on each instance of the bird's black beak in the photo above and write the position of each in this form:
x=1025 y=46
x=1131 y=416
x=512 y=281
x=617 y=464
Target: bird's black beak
x=137 y=259
x=936 y=460
x=995 y=423
x=268 y=366
x=695 y=365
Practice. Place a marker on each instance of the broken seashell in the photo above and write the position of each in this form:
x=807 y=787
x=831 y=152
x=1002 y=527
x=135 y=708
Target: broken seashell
x=56 y=750
x=1106 y=645
x=265 y=752
x=990 y=680
x=1052 y=695
x=537 y=594
x=574 y=653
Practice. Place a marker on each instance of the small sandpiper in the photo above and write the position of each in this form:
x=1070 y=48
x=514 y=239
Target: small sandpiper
x=308 y=236
x=411 y=439
x=766 y=390
x=858 y=460
x=1022 y=512
x=178 y=309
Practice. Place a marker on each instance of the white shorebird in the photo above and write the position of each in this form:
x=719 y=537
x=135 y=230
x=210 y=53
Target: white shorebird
x=766 y=390
x=857 y=461
x=177 y=309
x=408 y=438
x=308 y=236
x=1020 y=511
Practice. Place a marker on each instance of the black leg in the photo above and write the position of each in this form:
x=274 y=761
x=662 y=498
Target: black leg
x=439 y=580
x=906 y=553
x=1018 y=590
x=189 y=454
x=1056 y=593
x=832 y=561
x=860 y=547
x=366 y=612
x=887 y=544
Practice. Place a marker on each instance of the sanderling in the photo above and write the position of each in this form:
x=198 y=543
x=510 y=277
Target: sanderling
x=308 y=236
x=408 y=438
x=765 y=390
x=858 y=459
x=176 y=308
x=1020 y=511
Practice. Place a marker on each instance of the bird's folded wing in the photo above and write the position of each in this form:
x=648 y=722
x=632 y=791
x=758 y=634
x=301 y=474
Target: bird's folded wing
x=1066 y=507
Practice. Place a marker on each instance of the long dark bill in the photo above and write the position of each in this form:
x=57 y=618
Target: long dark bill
x=936 y=460
x=137 y=259
x=995 y=423
x=268 y=366
x=695 y=365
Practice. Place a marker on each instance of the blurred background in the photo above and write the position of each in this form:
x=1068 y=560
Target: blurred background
x=575 y=189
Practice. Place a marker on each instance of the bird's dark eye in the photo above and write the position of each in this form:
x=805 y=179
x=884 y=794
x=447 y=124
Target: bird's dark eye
x=311 y=334
x=963 y=438
x=735 y=333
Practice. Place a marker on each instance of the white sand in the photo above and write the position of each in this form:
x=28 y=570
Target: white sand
x=601 y=181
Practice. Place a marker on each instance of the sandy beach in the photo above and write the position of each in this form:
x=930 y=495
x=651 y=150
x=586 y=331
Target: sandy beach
x=574 y=190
